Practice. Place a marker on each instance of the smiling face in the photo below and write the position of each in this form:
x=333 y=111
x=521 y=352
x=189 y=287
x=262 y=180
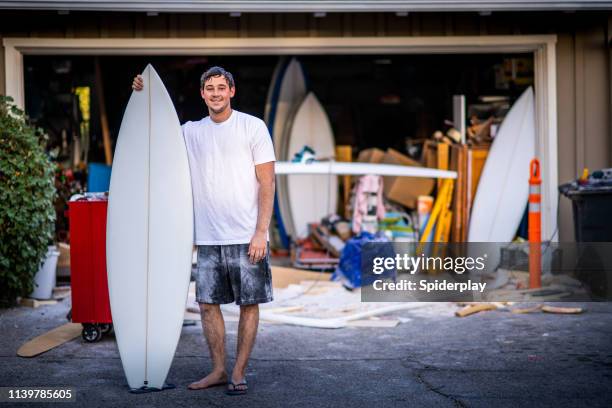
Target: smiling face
x=217 y=94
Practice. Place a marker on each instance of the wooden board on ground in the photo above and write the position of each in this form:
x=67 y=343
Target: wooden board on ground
x=286 y=309
x=471 y=309
x=50 y=340
x=373 y=323
x=283 y=277
x=61 y=292
x=562 y=310
x=34 y=303
x=526 y=310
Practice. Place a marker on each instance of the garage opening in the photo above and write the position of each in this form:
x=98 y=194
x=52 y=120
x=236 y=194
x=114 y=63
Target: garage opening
x=385 y=101
x=371 y=100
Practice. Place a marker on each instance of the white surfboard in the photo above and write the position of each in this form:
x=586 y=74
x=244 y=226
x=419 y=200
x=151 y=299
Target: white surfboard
x=149 y=234
x=503 y=188
x=272 y=96
x=291 y=93
x=360 y=169
x=311 y=197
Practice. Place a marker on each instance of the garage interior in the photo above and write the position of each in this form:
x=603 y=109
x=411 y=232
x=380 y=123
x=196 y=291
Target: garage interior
x=373 y=101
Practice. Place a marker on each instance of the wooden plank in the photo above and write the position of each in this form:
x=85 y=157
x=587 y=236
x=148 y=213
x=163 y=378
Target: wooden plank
x=345 y=154
x=286 y=309
x=442 y=159
x=562 y=310
x=472 y=309
x=363 y=25
x=108 y=154
x=60 y=293
x=526 y=310
x=50 y=340
x=429 y=154
x=155 y=26
x=34 y=303
x=465 y=213
x=479 y=156
x=120 y=25
x=330 y=26
x=260 y=24
x=456 y=164
x=283 y=277
x=190 y=25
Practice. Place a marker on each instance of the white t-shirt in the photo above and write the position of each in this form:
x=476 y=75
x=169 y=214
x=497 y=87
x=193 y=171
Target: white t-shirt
x=222 y=158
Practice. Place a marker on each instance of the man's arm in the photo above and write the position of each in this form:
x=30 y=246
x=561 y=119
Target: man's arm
x=265 y=201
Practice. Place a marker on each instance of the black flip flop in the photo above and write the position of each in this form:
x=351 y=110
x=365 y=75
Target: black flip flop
x=234 y=390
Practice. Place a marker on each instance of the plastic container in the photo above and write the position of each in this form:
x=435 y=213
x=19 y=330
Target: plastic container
x=98 y=177
x=44 y=280
x=90 y=301
x=592 y=206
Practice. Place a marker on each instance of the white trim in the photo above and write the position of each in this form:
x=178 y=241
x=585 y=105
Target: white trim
x=13 y=73
x=546 y=147
x=543 y=47
x=307 y=6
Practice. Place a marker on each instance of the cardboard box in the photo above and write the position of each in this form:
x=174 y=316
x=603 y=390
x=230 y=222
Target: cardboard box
x=405 y=190
x=372 y=155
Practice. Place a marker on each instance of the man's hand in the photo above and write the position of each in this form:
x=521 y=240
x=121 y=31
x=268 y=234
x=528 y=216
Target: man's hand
x=257 y=247
x=138 y=83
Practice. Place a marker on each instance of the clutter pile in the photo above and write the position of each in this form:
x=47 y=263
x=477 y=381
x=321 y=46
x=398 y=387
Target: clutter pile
x=308 y=299
x=394 y=208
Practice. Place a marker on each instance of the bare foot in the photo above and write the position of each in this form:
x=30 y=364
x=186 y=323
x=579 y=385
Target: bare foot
x=211 y=380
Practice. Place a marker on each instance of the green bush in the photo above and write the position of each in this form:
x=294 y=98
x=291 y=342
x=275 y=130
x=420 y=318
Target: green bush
x=27 y=192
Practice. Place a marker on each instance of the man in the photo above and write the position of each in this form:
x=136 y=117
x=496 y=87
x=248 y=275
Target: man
x=231 y=159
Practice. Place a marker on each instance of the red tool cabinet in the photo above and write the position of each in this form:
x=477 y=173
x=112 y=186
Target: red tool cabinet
x=90 y=303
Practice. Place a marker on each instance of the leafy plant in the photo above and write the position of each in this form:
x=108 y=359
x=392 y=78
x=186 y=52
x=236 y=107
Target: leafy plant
x=27 y=192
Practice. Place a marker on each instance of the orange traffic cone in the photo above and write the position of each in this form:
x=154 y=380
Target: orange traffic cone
x=535 y=225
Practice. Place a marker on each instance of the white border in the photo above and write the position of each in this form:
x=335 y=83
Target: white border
x=306 y=6
x=542 y=46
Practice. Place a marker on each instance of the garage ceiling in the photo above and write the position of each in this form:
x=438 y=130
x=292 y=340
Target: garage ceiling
x=254 y=6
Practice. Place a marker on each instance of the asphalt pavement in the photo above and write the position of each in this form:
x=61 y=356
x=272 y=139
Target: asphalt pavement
x=432 y=359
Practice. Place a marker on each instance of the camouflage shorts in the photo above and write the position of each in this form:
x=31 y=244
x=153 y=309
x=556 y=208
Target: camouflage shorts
x=224 y=274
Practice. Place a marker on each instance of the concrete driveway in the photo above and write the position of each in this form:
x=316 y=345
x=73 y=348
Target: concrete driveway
x=433 y=359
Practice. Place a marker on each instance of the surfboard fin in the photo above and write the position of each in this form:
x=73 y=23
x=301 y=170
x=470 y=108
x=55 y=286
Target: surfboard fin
x=146 y=389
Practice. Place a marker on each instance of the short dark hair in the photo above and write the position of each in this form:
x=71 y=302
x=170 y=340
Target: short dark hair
x=214 y=72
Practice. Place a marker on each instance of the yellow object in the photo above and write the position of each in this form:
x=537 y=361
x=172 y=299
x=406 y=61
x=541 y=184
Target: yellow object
x=443 y=153
x=445 y=226
x=442 y=203
x=83 y=93
x=585 y=174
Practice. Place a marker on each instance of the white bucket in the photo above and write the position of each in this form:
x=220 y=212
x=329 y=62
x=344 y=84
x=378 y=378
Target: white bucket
x=44 y=281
